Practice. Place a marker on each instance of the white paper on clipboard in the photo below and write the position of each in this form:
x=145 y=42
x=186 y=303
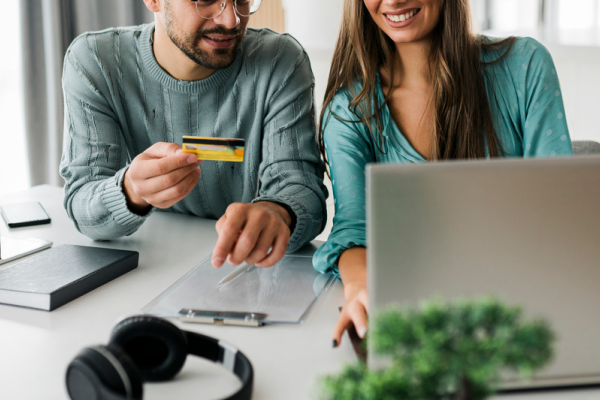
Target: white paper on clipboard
x=285 y=293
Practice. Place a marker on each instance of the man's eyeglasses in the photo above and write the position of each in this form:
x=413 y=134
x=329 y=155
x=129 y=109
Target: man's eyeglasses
x=209 y=9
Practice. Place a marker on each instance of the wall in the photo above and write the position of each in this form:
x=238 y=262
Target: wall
x=578 y=69
x=313 y=22
x=271 y=15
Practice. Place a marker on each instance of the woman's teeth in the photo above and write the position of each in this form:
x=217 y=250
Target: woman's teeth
x=402 y=17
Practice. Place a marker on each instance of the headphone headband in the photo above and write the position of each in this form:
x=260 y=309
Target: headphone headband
x=225 y=354
x=118 y=367
x=153 y=349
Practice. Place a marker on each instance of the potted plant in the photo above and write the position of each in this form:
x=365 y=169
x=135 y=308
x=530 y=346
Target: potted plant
x=445 y=351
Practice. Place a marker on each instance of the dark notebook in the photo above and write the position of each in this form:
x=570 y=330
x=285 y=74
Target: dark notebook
x=61 y=274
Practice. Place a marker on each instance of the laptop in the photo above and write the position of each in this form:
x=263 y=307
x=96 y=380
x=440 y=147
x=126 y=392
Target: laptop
x=524 y=231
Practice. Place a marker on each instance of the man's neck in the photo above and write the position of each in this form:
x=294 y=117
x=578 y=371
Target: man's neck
x=173 y=60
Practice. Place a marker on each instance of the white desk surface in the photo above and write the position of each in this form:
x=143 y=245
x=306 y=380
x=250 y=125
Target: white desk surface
x=36 y=346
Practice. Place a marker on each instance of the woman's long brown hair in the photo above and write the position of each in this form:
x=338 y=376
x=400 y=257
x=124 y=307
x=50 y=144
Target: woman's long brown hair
x=463 y=124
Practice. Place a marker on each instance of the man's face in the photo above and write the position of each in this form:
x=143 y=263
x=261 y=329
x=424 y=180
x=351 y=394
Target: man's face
x=211 y=43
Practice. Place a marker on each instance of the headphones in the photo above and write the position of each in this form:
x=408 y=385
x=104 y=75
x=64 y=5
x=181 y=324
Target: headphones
x=145 y=348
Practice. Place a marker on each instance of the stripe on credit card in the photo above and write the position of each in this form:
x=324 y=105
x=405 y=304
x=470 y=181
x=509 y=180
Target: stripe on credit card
x=218 y=142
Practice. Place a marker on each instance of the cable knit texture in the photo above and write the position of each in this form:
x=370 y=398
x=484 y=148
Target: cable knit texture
x=119 y=102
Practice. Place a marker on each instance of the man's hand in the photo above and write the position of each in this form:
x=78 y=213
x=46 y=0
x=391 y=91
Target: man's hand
x=248 y=231
x=160 y=177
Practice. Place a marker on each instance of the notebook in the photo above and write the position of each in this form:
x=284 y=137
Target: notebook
x=284 y=293
x=61 y=274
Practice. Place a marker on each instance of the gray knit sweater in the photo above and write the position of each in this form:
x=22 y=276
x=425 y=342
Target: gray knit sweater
x=119 y=101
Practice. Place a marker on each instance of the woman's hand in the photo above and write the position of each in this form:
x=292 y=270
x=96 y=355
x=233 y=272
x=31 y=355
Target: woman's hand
x=355 y=311
x=353 y=271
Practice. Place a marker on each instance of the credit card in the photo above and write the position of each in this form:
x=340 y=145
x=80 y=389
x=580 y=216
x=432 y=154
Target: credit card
x=215 y=149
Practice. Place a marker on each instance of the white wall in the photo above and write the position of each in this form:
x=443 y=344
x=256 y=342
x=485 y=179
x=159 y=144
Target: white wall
x=579 y=73
x=313 y=22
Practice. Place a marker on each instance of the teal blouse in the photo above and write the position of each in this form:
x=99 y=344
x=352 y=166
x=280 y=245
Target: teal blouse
x=529 y=118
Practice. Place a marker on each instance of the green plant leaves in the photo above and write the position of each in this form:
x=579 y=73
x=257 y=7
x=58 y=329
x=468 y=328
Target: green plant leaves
x=446 y=351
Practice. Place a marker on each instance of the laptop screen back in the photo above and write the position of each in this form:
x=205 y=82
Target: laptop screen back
x=524 y=231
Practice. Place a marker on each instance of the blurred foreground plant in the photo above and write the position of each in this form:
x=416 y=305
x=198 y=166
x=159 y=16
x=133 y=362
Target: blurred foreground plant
x=445 y=351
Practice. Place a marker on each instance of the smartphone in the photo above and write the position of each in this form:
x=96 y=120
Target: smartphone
x=24 y=214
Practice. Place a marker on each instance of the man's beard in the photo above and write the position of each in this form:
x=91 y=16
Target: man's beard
x=219 y=59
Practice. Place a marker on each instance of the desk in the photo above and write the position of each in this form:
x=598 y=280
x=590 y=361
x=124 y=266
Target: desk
x=36 y=346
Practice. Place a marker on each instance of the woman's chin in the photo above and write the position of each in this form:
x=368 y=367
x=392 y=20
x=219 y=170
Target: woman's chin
x=407 y=37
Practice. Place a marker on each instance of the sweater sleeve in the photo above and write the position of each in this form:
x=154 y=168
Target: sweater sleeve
x=95 y=157
x=545 y=131
x=348 y=152
x=291 y=171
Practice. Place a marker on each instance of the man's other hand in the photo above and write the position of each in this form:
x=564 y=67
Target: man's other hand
x=160 y=177
x=248 y=231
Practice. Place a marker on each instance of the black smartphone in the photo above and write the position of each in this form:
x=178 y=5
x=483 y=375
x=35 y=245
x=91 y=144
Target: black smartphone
x=24 y=214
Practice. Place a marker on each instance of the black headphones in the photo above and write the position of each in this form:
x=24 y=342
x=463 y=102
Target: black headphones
x=145 y=348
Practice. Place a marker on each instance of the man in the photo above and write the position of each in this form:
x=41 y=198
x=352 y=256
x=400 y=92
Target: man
x=132 y=93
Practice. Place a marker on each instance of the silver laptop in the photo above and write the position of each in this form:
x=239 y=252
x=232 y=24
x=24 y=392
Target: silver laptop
x=525 y=231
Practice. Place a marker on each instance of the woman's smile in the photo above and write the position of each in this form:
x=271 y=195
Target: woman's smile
x=402 y=18
x=405 y=21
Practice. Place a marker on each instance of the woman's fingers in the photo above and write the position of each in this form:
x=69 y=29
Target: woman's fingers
x=340 y=327
x=358 y=315
x=355 y=312
x=364 y=299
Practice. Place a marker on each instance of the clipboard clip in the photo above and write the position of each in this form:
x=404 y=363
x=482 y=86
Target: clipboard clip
x=222 y=317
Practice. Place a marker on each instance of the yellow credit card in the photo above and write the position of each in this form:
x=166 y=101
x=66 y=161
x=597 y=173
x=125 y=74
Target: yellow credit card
x=215 y=149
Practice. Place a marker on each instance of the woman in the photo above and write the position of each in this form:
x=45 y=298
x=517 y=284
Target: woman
x=411 y=83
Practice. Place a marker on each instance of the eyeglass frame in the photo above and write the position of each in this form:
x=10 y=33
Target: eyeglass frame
x=224 y=6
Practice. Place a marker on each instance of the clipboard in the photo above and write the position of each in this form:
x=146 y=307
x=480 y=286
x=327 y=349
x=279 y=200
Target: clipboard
x=284 y=293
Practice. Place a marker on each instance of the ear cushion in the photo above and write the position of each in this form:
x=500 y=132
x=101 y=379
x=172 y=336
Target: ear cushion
x=157 y=347
x=100 y=368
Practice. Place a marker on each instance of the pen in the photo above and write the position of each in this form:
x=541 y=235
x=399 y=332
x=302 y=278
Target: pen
x=244 y=267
